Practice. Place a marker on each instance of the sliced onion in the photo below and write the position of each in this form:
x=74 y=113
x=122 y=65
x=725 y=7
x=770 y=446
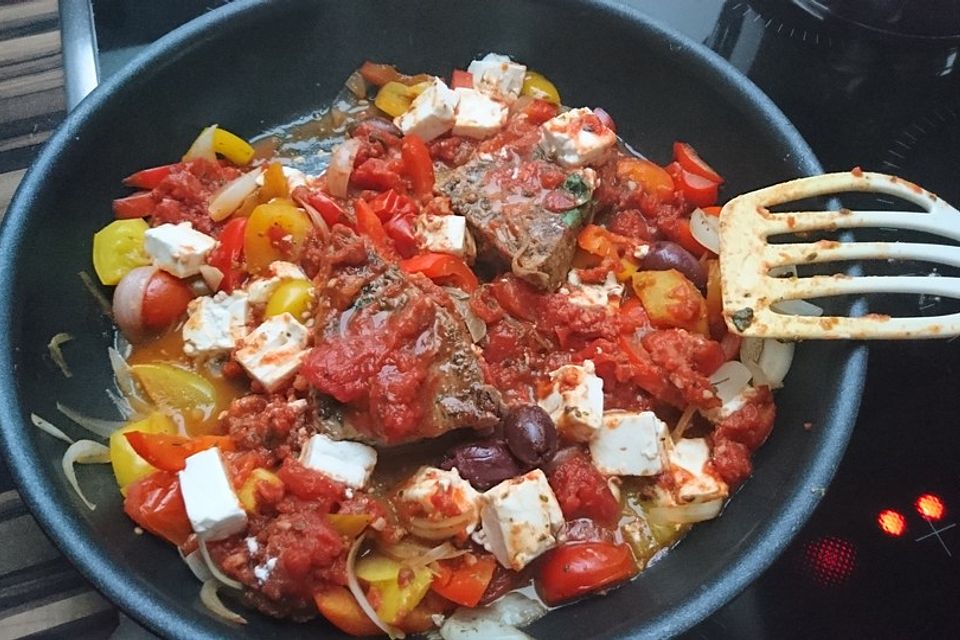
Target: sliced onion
x=212 y=276
x=300 y=196
x=768 y=358
x=97 y=426
x=97 y=294
x=797 y=308
x=341 y=166
x=461 y=300
x=356 y=85
x=498 y=621
x=49 y=428
x=441 y=529
x=123 y=407
x=445 y=551
x=211 y=600
x=202 y=146
x=730 y=379
x=128 y=301
x=686 y=418
x=83 y=452
x=705 y=230
x=231 y=195
x=197 y=565
x=354 y=585
x=216 y=571
x=685 y=513
x=127 y=385
x=57 y=355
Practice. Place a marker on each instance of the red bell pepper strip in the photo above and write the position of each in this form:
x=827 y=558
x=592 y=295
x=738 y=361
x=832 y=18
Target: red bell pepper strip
x=464 y=582
x=401 y=231
x=442 y=267
x=418 y=165
x=326 y=206
x=139 y=205
x=369 y=225
x=690 y=160
x=227 y=256
x=390 y=204
x=149 y=178
x=168 y=452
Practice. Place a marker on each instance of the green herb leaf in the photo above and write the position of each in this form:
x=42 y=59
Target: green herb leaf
x=572 y=217
x=579 y=189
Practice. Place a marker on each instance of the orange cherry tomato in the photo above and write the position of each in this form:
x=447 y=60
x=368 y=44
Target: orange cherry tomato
x=650 y=176
x=464 y=582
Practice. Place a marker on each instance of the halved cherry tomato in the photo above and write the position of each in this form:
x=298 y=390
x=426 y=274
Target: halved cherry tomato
x=401 y=231
x=227 y=256
x=650 y=176
x=690 y=160
x=462 y=581
x=169 y=452
x=369 y=225
x=461 y=79
x=680 y=232
x=155 y=504
x=539 y=111
x=329 y=210
x=697 y=190
x=391 y=204
x=575 y=569
x=442 y=267
x=340 y=608
x=139 y=205
x=148 y=178
x=165 y=299
x=418 y=165
x=712 y=211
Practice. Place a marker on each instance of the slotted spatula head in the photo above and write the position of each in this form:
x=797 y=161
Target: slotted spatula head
x=751 y=295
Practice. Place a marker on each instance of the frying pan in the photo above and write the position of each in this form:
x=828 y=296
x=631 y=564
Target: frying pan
x=254 y=64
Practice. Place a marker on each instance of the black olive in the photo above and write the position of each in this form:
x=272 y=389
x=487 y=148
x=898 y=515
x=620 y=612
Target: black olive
x=530 y=434
x=670 y=255
x=483 y=464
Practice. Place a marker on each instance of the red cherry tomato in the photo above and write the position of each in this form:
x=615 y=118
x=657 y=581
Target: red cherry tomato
x=698 y=191
x=539 y=111
x=227 y=256
x=573 y=570
x=139 y=205
x=149 y=178
x=690 y=160
x=155 y=504
x=418 y=165
x=400 y=230
x=164 y=301
x=461 y=79
x=652 y=177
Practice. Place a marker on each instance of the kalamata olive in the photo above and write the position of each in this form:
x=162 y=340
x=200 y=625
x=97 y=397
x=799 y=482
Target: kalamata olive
x=483 y=464
x=530 y=434
x=670 y=255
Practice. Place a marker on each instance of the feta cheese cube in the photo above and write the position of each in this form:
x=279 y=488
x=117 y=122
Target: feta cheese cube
x=214 y=324
x=431 y=114
x=272 y=353
x=717 y=415
x=259 y=290
x=693 y=481
x=521 y=517
x=211 y=504
x=593 y=295
x=575 y=401
x=497 y=76
x=348 y=462
x=443 y=234
x=477 y=115
x=630 y=444
x=419 y=499
x=177 y=248
x=576 y=138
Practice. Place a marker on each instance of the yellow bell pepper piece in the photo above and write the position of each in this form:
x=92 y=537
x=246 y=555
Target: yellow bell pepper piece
x=383 y=574
x=394 y=97
x=349 y=524
x=248 y=492
x=191 y=396
x=118 y=249
x=128 y=466
x=232 y=147
x=293 y=297
x=537 y=86
x=278 y=220
x=274 y=183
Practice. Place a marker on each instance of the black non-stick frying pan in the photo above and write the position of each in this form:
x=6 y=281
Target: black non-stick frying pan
x=254 y=64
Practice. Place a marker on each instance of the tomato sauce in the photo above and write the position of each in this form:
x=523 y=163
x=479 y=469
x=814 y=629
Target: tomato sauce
x=183 y=196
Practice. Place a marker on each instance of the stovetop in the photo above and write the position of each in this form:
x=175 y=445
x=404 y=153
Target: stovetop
x=870 y=83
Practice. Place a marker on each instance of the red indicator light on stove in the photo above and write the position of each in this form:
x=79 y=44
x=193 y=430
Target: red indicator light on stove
x=831 y=560
x=892 y=522
x=930 y=506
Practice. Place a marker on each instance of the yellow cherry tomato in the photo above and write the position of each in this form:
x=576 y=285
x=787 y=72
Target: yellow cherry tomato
x=232 y=147
x=275 y=231
x=394 y=97
x=128 y=466
x=293 y=297
x=189 y=395
x=248 y=492
x=537 y=86
x=118 y=249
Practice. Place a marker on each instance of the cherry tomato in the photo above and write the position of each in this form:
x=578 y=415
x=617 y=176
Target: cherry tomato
x=689 y=159
x=164 y=301
x=697 y=190
x=539 y=111
x=575 y=569
x=444 y=268
x=227 y=256
x=463 y=582
x=650 y=176
x=680 y=232
x=149 y=178
x=461 y=79
x=391 y=204
x=400 y=230
x=418 y=165
x=712 y=211
x=155 y=504
x=139 y=205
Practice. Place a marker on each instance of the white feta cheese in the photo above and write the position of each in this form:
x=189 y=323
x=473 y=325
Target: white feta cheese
x=211 y=504
x=177 y=248
x=630 y=444
x=477 y=115
x=418 y=497
x=272 y=353
x=215 y=323
x=260 y=289
x=262 y=571
x=252 y=545
x=497 y=76
x=521 y=518
x=576 y=138
x=693 y=481
x=443 y=234
x=343 y=460
x=575 y=402
x=431 y=113
x=593 y=295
